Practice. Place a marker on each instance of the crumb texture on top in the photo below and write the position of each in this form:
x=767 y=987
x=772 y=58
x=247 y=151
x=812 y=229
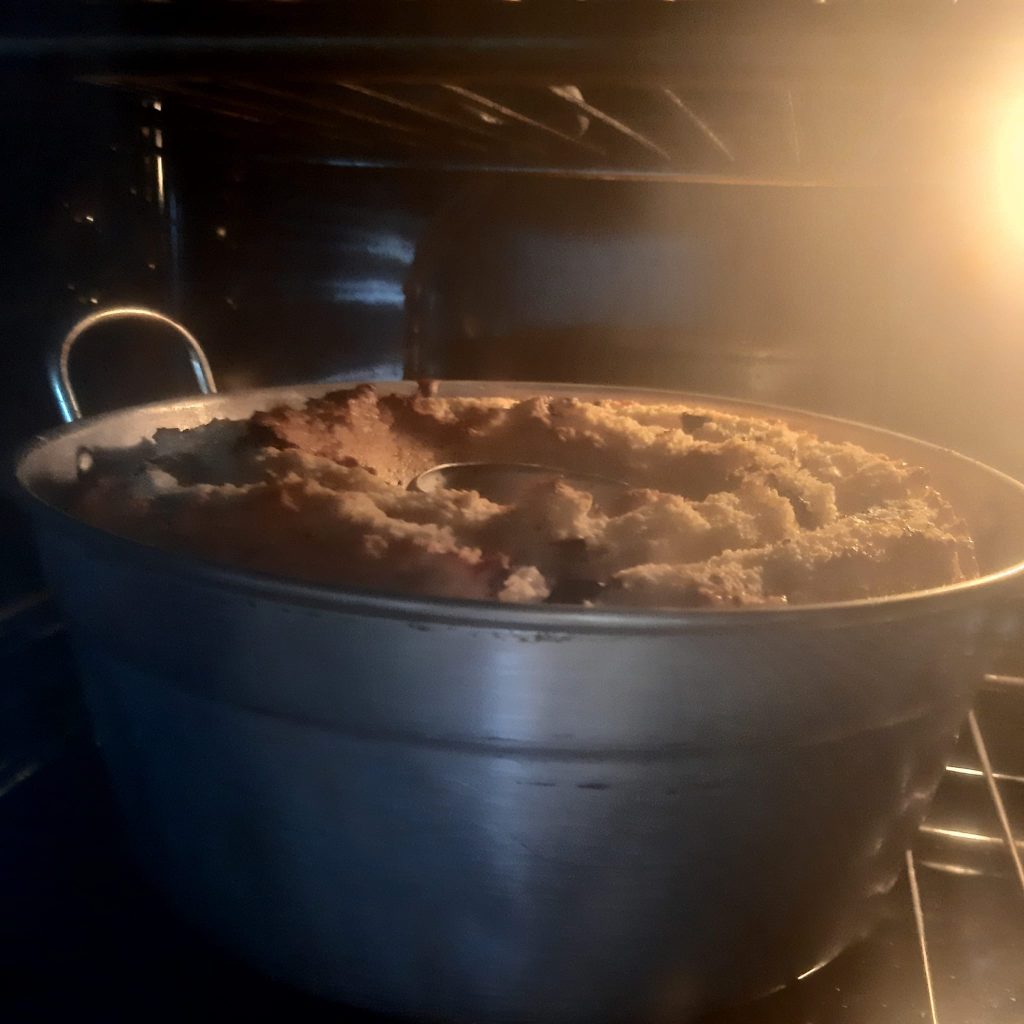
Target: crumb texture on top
x=720 y=510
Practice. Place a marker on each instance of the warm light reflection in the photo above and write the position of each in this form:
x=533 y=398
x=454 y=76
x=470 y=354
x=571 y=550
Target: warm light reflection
x=1010 y=169
x=951 y=869
x=955 y=833
x=813 y=970
x=160 y=198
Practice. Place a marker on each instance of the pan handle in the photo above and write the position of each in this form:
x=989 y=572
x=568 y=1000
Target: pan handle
x=60 y=377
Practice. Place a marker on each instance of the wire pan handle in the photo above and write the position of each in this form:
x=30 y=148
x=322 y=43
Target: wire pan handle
x=60 y=377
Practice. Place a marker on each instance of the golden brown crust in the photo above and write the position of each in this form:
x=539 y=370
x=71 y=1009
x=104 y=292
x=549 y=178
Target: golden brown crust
x=723 y=510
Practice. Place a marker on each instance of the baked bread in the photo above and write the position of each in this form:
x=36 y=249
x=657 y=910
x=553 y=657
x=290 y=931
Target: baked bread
x=721 y=510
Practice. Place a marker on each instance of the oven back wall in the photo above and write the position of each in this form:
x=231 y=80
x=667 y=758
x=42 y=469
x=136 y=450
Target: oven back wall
x=892 y=305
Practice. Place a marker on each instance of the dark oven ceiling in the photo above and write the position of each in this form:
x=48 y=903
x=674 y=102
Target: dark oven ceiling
x=799 y=92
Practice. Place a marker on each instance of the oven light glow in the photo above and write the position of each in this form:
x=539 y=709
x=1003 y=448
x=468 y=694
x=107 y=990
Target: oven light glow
x=1010 y=169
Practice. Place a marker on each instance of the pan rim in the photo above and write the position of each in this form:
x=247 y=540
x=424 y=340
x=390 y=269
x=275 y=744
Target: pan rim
x=545 y=619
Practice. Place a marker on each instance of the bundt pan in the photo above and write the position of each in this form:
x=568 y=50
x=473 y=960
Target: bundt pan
x=468 y=811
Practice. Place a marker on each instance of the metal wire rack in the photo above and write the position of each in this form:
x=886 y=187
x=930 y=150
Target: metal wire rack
x=774 y=133
x=778 y=91
x=975 y=827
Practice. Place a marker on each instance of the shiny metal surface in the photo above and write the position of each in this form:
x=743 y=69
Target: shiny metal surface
x=465 y=811
x=60 y=373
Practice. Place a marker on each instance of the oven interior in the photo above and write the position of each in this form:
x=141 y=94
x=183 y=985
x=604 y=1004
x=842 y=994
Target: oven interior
x=819 y=205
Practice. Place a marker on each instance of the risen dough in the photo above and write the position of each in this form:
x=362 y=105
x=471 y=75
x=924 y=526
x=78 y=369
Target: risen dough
x=724 y=510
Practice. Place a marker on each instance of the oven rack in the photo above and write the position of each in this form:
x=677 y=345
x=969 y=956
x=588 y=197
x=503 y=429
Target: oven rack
x=786 y=92
x=776 y=134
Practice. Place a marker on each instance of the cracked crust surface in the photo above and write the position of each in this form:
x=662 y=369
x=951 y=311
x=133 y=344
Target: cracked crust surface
x=721 y=510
